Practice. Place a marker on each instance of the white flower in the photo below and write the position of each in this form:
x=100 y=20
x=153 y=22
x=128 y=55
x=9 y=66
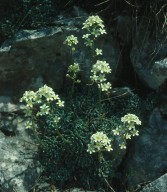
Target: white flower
x=28 y=124
x=116 y=131
x=98 y=51
x=131 y=118
x=109 y=148
x=56 y=97
x=44 y=110
x=71 y=40
x=86 y=36
x=105 y=86
x=122 y=146
x=99 y=141
x=127 y=136
x=60 y=103
x=102 y=31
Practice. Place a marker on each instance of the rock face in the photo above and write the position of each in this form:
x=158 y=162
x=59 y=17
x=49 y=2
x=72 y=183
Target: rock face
x=19 y=169
x=34 y=57
x=148 y=56
x=159 y=185
x=147 y=159
x=125 y=28
x=37 y=57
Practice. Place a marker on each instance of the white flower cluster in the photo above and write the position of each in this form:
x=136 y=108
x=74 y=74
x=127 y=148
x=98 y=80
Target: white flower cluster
x=131 y=119
x=99 y=71
x=40 y=100
x=99 y=142
x=71 y=41
x=95 y=27
x=72 y=72
x=127 y=130
x=93 y=21
x=29 y=98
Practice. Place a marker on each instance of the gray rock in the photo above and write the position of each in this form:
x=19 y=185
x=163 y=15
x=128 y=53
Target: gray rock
x=37 y=57
x=34 y=55
x=8 y=113
x=10 y=107
x=159 y=185
x=159 y=70
x=147 y=159
x=5 y=99
x=148 y=56
x=18 y=168
x=125 y=28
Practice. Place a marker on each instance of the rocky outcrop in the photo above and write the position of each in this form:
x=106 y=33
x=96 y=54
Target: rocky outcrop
x=34 y=57
x=148 y=56
x=31 y=59
x=147 y=158
x=19 y=169
x=37 y=57
x=159 y=185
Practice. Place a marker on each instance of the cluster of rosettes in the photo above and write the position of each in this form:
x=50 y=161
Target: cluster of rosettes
x=127 y=130
x=99 y=142
x=40 y=100
x=99 y=71
x=73 y=71
x=95 y=27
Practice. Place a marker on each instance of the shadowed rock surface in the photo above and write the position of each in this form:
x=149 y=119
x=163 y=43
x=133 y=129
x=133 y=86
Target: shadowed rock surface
x=148 y=56
x=159 y=185
x=147 y=159
x=19 y=168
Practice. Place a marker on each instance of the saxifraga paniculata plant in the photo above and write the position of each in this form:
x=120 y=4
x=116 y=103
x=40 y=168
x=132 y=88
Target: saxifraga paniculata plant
x=76 y=138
